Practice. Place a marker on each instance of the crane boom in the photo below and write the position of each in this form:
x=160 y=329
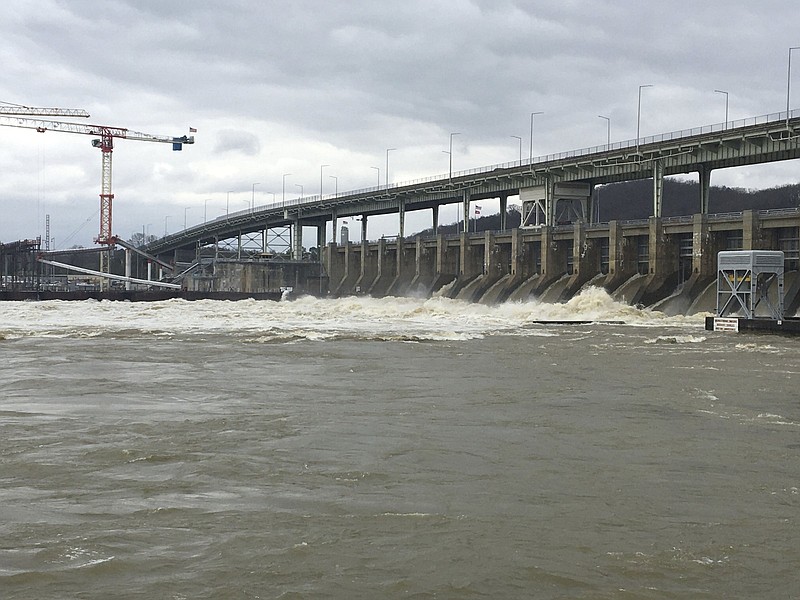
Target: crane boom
x=43 y=125
x=42 y=112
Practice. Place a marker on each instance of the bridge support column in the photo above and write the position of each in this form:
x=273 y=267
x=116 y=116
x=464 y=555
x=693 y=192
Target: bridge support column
x=425 y=268
x=363 y=228
x=446 y=263
x=321 y=239
x=402 y=218
x=752 y=237
x=127 y=268
x=621 y=258
x=435 y=219
x=705 y=187
x=297 y=239
x=704 y=252
x=658 y=187
x=551 y=267
x=333 y=226
x=519 y=266
x=503 y=210
x=465 y=210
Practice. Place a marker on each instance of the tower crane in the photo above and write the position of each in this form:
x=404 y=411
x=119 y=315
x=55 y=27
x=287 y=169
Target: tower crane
x=105 y=143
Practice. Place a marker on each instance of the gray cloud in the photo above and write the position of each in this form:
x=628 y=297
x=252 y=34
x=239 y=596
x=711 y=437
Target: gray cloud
x=284 y=86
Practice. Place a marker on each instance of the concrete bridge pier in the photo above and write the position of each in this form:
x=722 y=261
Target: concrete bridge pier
x=523 y=277
x=447 y=263
x=658 y=187
x=503 y=211
x=424 y=269
x=387 y=264
x=704 y=179
x=406 y=268
x=663 y=276
x=621 y=258
x=350 y=274
x=490 y=270
x=585 y=261
x=553 y=260
x=335 y=265
x=297 y=240
x=368 y=269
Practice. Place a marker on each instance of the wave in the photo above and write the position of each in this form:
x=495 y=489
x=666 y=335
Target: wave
x=319 y=319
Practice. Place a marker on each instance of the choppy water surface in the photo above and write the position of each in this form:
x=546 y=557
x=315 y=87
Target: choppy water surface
x=393 y=448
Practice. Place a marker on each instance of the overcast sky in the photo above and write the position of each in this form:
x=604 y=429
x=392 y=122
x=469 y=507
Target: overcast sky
x=277 y=87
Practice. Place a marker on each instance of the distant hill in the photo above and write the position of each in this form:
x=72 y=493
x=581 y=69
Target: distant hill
x=634 y=200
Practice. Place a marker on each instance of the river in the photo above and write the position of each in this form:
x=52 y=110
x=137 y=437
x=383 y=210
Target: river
x=393 y=448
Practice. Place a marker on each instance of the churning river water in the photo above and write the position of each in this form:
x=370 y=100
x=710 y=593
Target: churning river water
x=393 y=448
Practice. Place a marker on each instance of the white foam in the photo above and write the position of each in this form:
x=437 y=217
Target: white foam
x=309 y=318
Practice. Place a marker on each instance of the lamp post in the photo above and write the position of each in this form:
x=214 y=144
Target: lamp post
x=450 y=153
x=321 y=167
x=185 y=210
x=253 y=198
x=166 y=218
x=639 y=114
x=789 y=82
x=386 y=173
x=283 y=189
x=533 y=114
x=301 y=190
x=228 y=203
x=378 y=169
x=608 y=131
x=335 y=185
x=205 y=209
x=726 y=105
x=520 y=146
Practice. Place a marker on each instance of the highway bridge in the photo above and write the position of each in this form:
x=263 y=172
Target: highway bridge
x=553 y=189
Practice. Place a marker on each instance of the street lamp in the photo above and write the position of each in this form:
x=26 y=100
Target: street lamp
x=533 y=114
x=228 y=203
x=301 y=190
x=185 y=210
x=283 y=189
x=253 y=197
x=726 y=105
x=205 y=209
x=387 y=165
x=608 y=131
x=639 y=114
x=321 y=167
x=520 y=147
x=336 y=185
x=451 y=154
x=166 y=218
x=789 y=82
x=378 y=169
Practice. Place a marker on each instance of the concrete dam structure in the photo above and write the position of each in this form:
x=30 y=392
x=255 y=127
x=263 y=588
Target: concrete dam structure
x=665 y=263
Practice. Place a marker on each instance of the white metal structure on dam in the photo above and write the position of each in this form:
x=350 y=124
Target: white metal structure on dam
x=552 y=189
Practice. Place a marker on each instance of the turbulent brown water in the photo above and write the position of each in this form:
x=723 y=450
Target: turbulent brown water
x=393 y=448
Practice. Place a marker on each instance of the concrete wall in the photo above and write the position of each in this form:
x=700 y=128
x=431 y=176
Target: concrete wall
x=556 y=263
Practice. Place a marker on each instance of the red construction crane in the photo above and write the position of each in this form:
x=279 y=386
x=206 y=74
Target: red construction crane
x=106 y=145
